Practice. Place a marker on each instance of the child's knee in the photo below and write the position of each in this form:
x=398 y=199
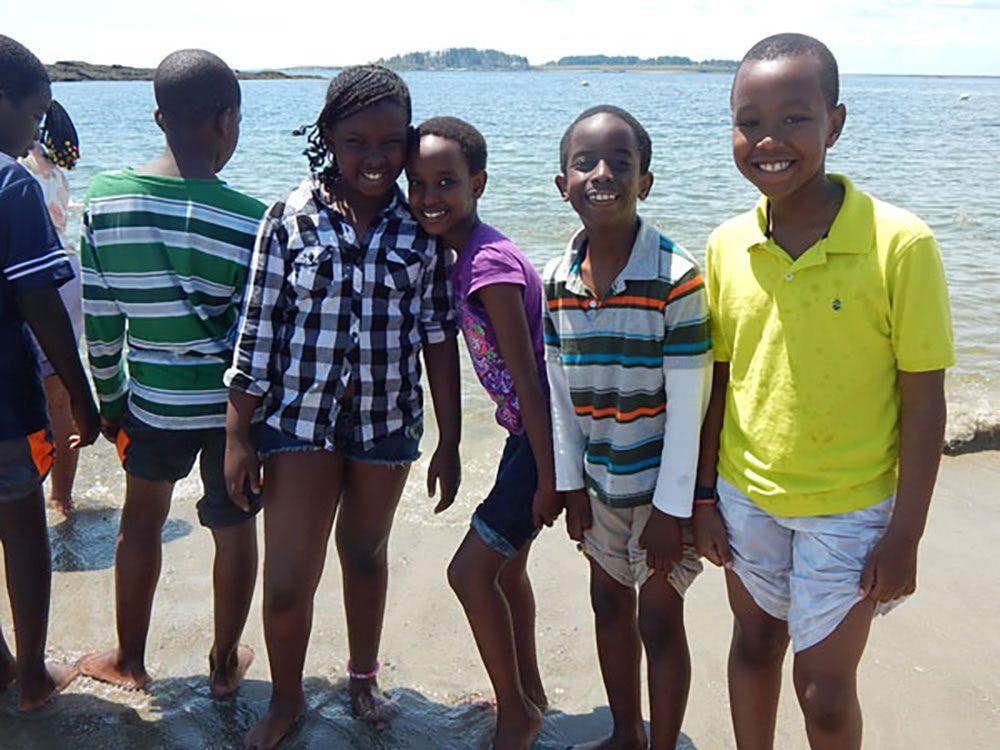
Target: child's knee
x=759 y=643
x=363 y=556
x=828 y=701
x=662 y=633
x=285 y=593
x=611 y=601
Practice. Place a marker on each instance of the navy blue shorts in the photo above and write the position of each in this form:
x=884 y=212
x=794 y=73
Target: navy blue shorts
x=159 y=455
x=395 y=449
x=503 y=519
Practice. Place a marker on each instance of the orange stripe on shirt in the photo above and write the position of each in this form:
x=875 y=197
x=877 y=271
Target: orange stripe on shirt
x=687 y=286
x=623 y=301
x=644 y=411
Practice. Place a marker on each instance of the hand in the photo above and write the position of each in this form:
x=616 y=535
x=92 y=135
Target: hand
x=578 y=515
x=662 y=541
x=546 y=506
x=242 y=469
x=891 y=570
x=445 y=470
x=110 y=428
x=710 y=537
x=88 y=422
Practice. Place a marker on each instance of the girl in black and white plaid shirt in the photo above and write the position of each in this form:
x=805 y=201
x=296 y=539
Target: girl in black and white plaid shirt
x=346 y=290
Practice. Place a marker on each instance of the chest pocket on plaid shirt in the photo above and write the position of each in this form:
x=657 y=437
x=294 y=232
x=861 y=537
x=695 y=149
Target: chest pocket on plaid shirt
x=401 y=271
x=314 y=269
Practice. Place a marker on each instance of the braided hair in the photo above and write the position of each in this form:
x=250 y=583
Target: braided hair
x=352 y=90
x=58 y=137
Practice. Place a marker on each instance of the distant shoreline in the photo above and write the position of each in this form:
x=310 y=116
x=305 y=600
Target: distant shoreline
x=75 y=71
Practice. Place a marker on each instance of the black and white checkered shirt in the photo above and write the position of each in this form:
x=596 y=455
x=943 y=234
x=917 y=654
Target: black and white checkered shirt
x=323 y=308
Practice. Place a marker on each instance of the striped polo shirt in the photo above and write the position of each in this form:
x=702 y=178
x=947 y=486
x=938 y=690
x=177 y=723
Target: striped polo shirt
x=165 y=263
x=630 y=374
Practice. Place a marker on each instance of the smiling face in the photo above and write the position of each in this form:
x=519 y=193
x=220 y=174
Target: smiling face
x=19 y=120
x=443 y=193
x=783 y=124
x=603 y=177
x=370 y=147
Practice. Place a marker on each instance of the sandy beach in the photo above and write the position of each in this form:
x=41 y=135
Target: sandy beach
x=931 y=677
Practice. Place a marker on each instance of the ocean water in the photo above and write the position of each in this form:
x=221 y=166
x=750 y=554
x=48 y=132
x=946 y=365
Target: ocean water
x=931 y=145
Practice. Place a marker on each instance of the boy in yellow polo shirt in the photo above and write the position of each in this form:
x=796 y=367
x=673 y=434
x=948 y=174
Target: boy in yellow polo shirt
x=831 y=333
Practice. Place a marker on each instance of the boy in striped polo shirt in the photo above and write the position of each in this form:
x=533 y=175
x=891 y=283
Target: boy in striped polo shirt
x=629 y=363
x=166 y=250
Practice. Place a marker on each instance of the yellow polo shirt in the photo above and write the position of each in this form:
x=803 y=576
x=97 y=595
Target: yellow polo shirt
x=814 y=345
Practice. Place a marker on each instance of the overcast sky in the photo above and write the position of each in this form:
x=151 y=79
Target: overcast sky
x=867 y=36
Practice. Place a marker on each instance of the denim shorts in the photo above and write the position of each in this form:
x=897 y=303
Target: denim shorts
x=24 y=464
x=806 y=571
x=395 y=449
x=158 y=455
x=503 y=519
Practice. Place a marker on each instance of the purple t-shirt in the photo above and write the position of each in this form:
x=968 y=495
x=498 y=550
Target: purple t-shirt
x=490 y=258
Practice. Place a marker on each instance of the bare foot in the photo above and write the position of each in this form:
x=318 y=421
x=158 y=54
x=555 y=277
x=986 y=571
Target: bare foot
x=617 y=741
x=226 y=678
x=370 y=704
x=536 y=694
x=108 y=666
x=478 y=701
x=62 y=505
x=516 y=729
x=57 y=678
x=282 y=713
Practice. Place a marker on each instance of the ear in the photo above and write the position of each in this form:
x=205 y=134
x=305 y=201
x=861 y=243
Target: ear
x=561 y=184
x=837 y=120
x=226 y=121
x=479 y=183
x=645 y=185
x=159 y=119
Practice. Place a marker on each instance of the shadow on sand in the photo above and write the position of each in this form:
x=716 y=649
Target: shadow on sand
x=178 y=713
x=86 y=539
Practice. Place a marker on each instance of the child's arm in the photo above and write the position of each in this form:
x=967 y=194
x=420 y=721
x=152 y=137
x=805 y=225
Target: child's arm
x=504 y=305
x=920 y=324
x=687 y=376
x=445 y=469
x=248 y=377
x=437 y=330
x=710 y=536
x=241 y=465
x=891 y=570
x=568 y=440
x=44 y=312
x=104 y=326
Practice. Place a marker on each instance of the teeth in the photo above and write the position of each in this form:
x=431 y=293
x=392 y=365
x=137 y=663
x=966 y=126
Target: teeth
x=433 y=214
x=373 y=176
x=602 y=197
x=774 y=166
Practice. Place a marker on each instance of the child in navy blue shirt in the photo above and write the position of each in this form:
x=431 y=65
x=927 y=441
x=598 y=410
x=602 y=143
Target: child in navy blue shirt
x=32 y=266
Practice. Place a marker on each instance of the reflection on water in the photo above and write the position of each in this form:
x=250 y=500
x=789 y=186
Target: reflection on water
x=179 y=713
x=86 y=539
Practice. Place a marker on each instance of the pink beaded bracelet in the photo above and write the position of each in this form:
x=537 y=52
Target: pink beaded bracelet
x=363 y=675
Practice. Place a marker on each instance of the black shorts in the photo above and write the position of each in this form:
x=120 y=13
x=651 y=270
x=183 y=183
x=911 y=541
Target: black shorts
x=168 y=455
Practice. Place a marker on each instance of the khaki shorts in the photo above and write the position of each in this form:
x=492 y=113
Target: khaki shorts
x=612 y=542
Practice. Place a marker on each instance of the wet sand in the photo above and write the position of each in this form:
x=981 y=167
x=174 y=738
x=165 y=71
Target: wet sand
x=931 y=678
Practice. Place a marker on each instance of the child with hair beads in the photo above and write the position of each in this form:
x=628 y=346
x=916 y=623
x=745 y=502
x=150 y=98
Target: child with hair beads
x=346 y=291
x=58 y=149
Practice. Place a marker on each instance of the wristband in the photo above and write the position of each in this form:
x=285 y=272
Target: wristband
x=704 y=492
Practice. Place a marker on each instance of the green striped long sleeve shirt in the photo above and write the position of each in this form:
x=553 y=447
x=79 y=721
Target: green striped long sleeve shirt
x=165 y=263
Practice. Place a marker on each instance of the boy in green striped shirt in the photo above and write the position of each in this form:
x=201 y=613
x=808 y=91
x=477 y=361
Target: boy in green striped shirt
x=165 y=251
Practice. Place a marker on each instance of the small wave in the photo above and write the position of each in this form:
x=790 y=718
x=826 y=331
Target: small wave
x=982 y=439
